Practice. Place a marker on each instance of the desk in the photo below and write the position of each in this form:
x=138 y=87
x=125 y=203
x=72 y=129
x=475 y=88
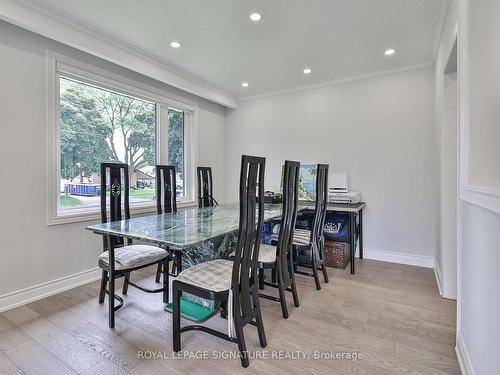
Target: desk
x=356 y=231
x=353 y=210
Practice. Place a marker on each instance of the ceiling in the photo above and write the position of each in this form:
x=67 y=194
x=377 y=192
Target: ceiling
x=222 y=46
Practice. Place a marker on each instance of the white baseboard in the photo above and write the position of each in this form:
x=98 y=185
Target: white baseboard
x=402 y=258
x=437 y=273
x=21 y=297
x=463 y=356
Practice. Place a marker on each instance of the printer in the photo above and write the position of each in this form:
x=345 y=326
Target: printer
x=339 y=190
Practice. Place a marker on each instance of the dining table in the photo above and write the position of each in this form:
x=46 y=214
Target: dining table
x=195 y=235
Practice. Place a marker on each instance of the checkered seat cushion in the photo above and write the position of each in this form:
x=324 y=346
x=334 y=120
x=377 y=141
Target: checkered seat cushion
x=214 y=275
x=133 y=256
x=267 y=253
x=301 y=237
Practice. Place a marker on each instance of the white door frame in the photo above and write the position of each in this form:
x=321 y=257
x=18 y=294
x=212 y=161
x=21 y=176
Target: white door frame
x=448 y=291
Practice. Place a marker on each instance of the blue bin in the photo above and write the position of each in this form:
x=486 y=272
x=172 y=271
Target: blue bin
x=87 y=190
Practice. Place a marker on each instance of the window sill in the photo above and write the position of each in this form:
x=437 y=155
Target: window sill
x=95 y=213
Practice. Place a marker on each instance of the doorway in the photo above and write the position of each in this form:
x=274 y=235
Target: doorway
x=449 y=177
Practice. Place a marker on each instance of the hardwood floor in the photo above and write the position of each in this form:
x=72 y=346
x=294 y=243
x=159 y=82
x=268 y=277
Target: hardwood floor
x=392 y=314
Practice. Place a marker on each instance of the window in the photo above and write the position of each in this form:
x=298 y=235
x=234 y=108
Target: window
x=175 y=147
x=98 y=125
x=98 y=119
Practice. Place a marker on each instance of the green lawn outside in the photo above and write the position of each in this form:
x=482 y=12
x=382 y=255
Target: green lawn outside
x=68 y=201
x=71 y=201
x=146 y=193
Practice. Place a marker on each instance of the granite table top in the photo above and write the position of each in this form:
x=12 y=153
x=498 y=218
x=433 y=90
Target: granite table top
x=184 y=228
x=192 y=226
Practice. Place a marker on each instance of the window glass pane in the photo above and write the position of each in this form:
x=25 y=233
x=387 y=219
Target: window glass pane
x=99 y=125
x=176 y=148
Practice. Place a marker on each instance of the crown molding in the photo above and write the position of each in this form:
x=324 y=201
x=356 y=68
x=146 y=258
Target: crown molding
x=339 y=80
x=46 y=20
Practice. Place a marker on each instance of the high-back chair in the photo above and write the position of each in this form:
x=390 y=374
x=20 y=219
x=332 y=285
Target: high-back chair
x=120 y=256
x=233 y=284
x=279 y=258
x=166 y=202
x=166 y=189
x=205 y=187
x=310 y=244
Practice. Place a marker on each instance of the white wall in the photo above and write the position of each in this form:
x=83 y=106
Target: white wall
x=378 y=130
x=484 y=75
x=479 y=257
x=478 y=294
x=33 y=253
x=479 y=325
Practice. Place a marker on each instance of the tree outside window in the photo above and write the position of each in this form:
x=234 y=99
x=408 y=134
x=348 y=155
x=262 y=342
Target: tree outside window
x=98 y=125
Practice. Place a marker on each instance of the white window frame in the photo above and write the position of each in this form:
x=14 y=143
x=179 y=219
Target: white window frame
x=56 y=65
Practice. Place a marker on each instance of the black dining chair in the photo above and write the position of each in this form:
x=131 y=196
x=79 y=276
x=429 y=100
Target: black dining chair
x=120 y=256
x=166 y=193
x=309 y=244
x=279 y=258
x=232 y=283
x=205 y=187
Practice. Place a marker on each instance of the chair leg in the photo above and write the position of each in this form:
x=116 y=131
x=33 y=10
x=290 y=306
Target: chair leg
x=295 y=259
x=158 y=272
x=176 y=318
x=165 y=279
x=261 y=278
x=323 y=265
x=111 y=300
x=258 y=318
x=325 y=273
x=316 y=276
x=273 y=276
x=104 y=282
x=284 y=308
x=314 y=265
x=295 y=294
x=240 y=338
x=126 y=279
x=293 y=285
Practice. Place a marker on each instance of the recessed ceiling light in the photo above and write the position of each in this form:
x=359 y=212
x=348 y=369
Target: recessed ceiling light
x=175 y=44
x=307 y=71
x=255 y=17
x=390 y=52
x=244 y=84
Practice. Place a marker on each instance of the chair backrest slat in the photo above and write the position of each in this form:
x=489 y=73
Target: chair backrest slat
x=249 y=233
x=320 y=208
x=288 y=218
x=205 y=187
x=166 y=188
x=116 y=177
